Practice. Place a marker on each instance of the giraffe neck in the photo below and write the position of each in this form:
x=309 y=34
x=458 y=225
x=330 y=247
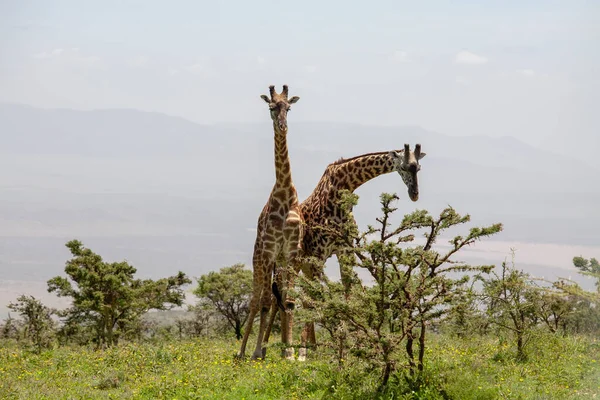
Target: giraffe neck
x=352 y=173
x=283 y=169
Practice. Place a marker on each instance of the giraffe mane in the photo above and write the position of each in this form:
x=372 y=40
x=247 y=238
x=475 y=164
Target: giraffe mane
x=343 y=160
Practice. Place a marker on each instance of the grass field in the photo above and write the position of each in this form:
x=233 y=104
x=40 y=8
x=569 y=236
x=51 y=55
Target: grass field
x=478 y=368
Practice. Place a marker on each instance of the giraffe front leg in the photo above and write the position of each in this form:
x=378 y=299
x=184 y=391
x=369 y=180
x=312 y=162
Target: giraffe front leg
x=254 y=305
x=265 y=302
x=274 y=310
x=308 y=333
x=251 y=315
x=287 y=316
x=282 y=280
x=272 y=315
x=293 y=236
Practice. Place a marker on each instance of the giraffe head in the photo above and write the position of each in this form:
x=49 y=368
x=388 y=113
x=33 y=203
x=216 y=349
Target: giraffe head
x=407 y=165
x=279 y=105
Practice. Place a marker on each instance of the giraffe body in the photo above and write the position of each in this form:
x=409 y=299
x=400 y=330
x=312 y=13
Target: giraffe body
x=279 y=229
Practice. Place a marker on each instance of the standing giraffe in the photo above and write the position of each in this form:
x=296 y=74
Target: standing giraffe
x=279 y=230
x=321 y=209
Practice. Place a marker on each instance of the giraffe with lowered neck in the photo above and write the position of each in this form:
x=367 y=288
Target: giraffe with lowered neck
x=322 y=209
x=279 y=230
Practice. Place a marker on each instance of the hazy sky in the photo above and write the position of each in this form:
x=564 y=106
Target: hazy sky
x=527 y=69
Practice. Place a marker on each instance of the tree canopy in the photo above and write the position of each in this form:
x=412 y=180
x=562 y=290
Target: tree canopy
x=108 y=296
x=229 y=291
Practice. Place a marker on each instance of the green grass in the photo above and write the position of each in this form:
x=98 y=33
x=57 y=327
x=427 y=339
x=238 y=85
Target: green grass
x=478 y=368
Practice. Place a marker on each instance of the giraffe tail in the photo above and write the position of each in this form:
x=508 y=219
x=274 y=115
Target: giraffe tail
x=277 y=295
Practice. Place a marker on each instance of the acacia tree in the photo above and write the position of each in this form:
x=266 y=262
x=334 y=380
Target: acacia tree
x=587 y=317
x=556 y=308
x=36 y=325
x=465 y=316
x=10 y=328
x=511 y=299
x=411 y=287
x=589 y=267
x=199 y=320
x=229 y=291
x=107 y=296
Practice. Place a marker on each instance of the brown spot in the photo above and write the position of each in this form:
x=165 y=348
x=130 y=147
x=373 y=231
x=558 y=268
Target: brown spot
x=276 y=201
x=288 y=180
x=280 y=196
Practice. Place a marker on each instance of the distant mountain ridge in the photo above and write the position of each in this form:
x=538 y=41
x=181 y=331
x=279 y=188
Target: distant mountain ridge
x=23 y=122
x=138 y=134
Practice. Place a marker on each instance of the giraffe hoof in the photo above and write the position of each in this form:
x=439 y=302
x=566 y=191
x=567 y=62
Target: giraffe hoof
x=302 y=354
x=289 y=354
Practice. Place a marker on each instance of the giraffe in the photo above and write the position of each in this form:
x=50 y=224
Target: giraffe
x=321 y=209
x=279 y=230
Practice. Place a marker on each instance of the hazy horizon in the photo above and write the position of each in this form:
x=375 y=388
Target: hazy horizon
x=263 y=125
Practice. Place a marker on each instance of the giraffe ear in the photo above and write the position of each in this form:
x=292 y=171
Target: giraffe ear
x=395 y=156
x=265 y=98
x=293 y=99
x=422 y=155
